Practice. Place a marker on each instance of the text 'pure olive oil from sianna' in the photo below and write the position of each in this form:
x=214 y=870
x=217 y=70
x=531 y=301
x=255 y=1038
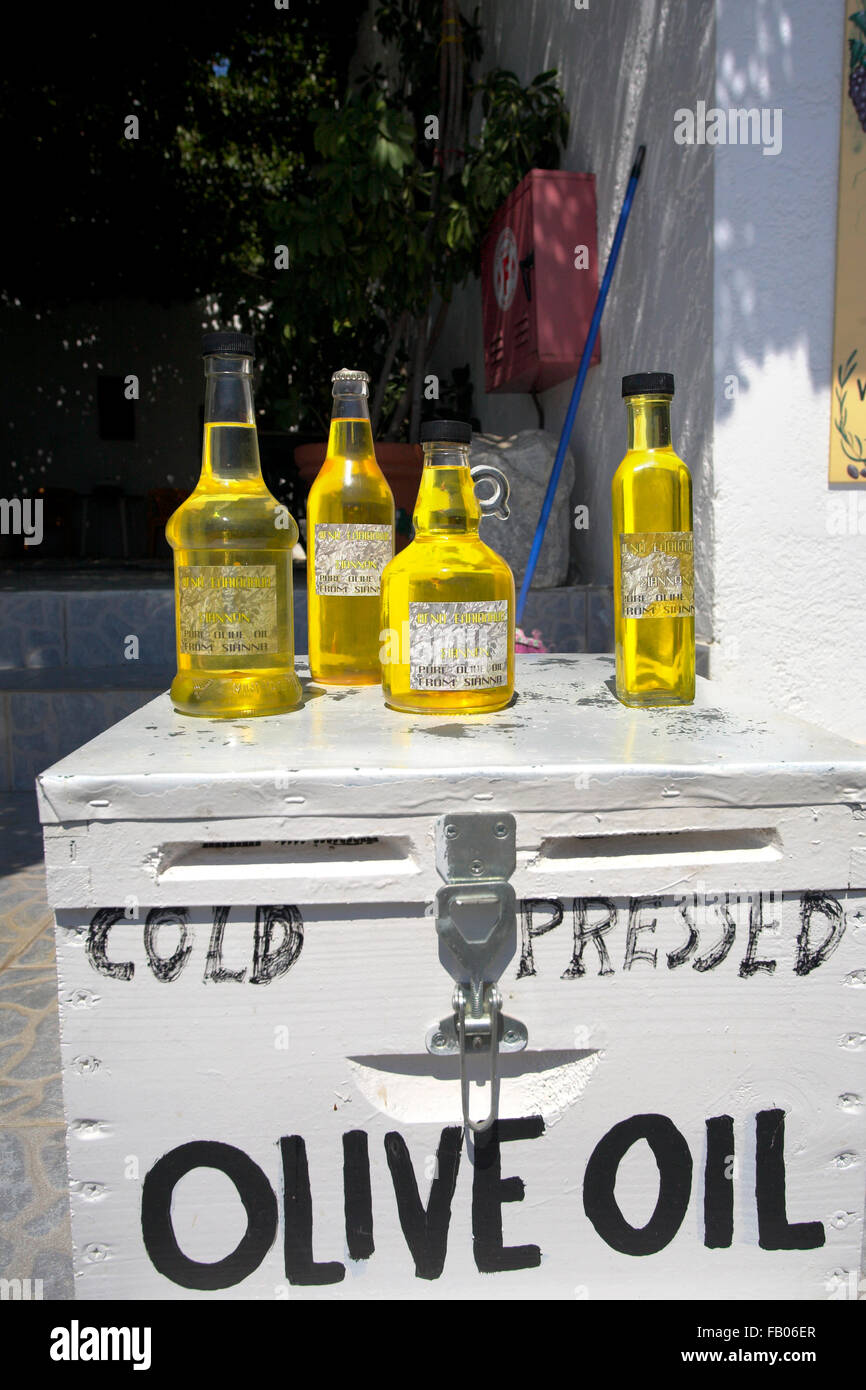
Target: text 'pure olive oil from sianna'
x=233 y=546
x=448 y=599
x=653 y=555
x=350 y=539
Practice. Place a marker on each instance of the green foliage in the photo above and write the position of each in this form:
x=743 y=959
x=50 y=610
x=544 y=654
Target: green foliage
x=382 y=230
x=224 y=97
x=411 y=27
x=524 y=128
x=252 y=136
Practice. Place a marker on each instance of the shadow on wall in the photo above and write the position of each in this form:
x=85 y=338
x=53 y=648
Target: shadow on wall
x=765 y=303
x=625 y=67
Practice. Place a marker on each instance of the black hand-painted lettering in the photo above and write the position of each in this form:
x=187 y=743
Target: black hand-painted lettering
x=269 y=964
x=357 y=1195
x=774 y=1230
x=684 y=952
x=671 y=1153
x=529 y=929
x=825 y=905
x=490 y=1190
x=426 y=1232
x=214 y=968
x=301 y=1268
x=635 y=926
x=254 y=1190
x=94 y=947
x=167 y=968
x=725 y=942
x=595 y=933
x=750 y=965
x=719 y=1183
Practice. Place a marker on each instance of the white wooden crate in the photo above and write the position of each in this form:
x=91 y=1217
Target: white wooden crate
x=692 y=889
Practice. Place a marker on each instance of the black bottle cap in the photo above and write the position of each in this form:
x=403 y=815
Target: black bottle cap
x=445 y=432
x=648 y=384
x=242 y=344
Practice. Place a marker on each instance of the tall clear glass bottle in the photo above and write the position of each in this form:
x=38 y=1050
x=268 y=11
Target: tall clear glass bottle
x=448 y=599
x=232 y=544
x=350 y=539
x=653 y=554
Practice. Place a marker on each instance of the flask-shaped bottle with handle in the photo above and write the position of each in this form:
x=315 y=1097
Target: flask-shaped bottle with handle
x=232 y=544
x=448 y=599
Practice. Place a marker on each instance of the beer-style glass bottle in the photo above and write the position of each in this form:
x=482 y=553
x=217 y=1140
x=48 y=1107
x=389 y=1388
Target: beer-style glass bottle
x=653 y=556
x=448 y=599
x=232 y=544
x=350 y=539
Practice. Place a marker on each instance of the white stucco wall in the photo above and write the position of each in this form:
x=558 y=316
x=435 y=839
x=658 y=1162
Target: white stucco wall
x=790 y=616
x=625 y=66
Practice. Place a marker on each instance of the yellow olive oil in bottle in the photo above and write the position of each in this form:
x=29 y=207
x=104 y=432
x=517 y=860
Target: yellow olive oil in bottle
x=350 y=539
x=653 y=556
x=232 y=544
x=448 y=599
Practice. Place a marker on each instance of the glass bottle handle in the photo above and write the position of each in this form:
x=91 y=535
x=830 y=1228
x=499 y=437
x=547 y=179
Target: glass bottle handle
x=497 y=503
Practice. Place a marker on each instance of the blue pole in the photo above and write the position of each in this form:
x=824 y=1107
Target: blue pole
x=576 y=394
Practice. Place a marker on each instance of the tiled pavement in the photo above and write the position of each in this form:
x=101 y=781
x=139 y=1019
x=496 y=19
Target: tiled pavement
x=35 y=1239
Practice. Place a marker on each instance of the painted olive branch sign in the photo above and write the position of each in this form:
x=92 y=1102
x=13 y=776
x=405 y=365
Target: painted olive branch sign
x=848 y=427
x=252 y=1112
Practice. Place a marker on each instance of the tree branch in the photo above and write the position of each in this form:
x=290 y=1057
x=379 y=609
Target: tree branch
x=438 y=325
x=382 y=383
x=418 y=376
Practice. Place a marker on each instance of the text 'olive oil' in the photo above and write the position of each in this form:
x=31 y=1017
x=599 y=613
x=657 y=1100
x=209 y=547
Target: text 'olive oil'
x=653 y=554
x=448 y=599
x=232 y=544
x=350 y=539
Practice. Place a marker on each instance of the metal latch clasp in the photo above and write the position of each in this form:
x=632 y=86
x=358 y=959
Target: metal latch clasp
x=476 y=920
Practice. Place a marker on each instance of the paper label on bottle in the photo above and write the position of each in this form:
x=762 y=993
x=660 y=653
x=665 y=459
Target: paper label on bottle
x=458 y=646
x=227 y=610
x=657 y=574
x=350 y=558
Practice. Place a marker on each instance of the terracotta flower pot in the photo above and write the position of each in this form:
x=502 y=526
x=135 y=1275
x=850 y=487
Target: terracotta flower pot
x=401 y=464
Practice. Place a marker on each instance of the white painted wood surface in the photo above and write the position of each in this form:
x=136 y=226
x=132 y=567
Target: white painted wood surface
x=565 y=744
x=750 y=831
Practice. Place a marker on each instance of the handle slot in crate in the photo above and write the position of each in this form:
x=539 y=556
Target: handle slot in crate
x=645 y=849
x=332 y=858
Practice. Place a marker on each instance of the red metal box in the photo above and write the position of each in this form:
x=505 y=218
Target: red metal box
x=539 y=279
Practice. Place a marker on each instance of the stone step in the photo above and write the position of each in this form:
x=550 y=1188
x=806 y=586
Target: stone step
x=67 y=668
x=48 y=712
x=92 y=629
